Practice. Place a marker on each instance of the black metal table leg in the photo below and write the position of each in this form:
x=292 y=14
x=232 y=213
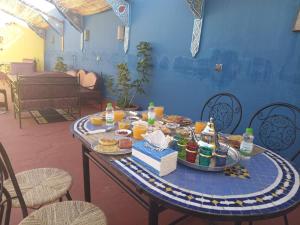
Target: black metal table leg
x=153 y=213
x=86 y=174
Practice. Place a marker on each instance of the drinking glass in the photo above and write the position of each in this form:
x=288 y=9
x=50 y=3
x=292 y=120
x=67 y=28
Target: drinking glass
x=138 y=130
x=159 y=111
x=199 y=127
x=119 y=115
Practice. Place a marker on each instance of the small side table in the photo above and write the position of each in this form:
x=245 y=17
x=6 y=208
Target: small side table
x=3 y=104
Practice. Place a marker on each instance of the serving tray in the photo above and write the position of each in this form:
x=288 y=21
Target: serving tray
x=233 y=158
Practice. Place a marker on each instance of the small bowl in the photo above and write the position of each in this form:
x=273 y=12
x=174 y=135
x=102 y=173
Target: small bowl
x=123 y=132
x=172 y=125
x=133 y=118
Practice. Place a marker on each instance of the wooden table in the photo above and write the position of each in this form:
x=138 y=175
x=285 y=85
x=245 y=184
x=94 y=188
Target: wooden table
x=265 y=186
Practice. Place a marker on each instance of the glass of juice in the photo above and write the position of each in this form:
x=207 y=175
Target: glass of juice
x=159 y=111
x=138 y=130
x=199 y=127
x=124 y=124
x=145 y=116
x=119 y=115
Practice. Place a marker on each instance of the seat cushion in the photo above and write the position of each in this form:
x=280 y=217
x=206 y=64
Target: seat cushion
x=40 y=186
x=67 y=213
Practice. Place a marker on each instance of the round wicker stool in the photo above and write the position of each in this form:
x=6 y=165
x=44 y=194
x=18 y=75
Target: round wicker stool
x=40 y=186
x=66 y=213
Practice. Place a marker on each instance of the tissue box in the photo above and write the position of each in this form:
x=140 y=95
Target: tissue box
x=158 y=162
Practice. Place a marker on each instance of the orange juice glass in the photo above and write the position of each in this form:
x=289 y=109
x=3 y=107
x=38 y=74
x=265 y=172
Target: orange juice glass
x=119 y=115
x=124 y=124
x=145 y=116
x=159 y=111
x=138 y=130
x=199 y=127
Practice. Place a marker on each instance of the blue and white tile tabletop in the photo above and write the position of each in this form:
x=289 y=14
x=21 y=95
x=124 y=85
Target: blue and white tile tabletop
x=273 y=187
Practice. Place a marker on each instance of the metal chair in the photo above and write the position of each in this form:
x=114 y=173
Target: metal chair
x=5 y=199
x=226 y=110
x=276 y=127
x=4 y=104
x=52 y=184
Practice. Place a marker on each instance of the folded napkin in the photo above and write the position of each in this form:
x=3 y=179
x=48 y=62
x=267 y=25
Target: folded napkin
x=157 y=139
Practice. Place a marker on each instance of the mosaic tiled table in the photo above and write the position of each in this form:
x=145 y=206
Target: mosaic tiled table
x=267 y=187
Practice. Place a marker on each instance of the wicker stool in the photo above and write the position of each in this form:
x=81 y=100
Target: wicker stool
x=4 y=104
x=40 y=186
x=66 y=213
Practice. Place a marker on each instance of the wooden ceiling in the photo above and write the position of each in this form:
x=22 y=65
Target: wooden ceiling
x=23 y=12
x=84 y=7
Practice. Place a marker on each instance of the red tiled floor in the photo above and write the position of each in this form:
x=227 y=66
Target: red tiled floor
x=52 y=145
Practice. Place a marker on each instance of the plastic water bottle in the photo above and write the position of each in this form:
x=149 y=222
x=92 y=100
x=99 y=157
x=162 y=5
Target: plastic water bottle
x=109 y=115
x=247 y=144
x=151 y=114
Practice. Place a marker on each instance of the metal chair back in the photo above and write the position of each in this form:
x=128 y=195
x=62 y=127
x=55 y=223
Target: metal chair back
x=7 y=172
x=277 y=127
x=226 y=110
x=5 y=199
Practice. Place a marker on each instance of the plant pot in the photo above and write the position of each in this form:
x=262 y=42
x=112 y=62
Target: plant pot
x=132 y=107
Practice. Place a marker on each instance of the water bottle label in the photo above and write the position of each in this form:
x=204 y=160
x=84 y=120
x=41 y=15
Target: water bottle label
x=246 y=148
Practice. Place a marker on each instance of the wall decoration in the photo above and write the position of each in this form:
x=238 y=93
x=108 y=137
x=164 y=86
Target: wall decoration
x=197 y=7
x=122 y=10
x=297 y=23
x=120 y=33
x=86 y=35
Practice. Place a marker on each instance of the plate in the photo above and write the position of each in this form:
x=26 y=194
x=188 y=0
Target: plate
x=232 y=159
x=182 y=121
x=123 y=132
x=97 y=148
x=133 y=118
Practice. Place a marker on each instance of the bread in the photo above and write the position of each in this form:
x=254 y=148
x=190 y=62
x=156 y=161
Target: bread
x=125 y=143
x=96 y=120
x=108 y=142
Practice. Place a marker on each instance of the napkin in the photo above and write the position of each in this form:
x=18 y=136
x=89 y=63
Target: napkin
x=157 y=139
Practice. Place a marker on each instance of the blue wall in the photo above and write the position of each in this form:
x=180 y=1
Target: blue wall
x=253 y=39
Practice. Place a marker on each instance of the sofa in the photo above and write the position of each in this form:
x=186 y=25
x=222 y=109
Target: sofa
x=45 y=90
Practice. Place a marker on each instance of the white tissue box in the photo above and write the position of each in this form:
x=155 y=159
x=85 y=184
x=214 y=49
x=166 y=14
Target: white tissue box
x=159 y=162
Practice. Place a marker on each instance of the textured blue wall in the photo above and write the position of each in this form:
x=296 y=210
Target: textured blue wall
x=253 y=39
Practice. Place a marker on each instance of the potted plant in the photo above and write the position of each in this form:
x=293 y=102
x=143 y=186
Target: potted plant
x=124 y=87
x=60 y=66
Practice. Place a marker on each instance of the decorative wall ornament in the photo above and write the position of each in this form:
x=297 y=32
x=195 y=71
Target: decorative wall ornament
x=197 y=7
x=122 y=10
x=297 y=23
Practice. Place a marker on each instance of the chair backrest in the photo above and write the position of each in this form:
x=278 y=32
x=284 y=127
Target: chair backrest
x=88 y=79
x=8 y=172
x=24 y=68
x=277 y=127
x=47 y=86
x=226 y=110
x=5 y=198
